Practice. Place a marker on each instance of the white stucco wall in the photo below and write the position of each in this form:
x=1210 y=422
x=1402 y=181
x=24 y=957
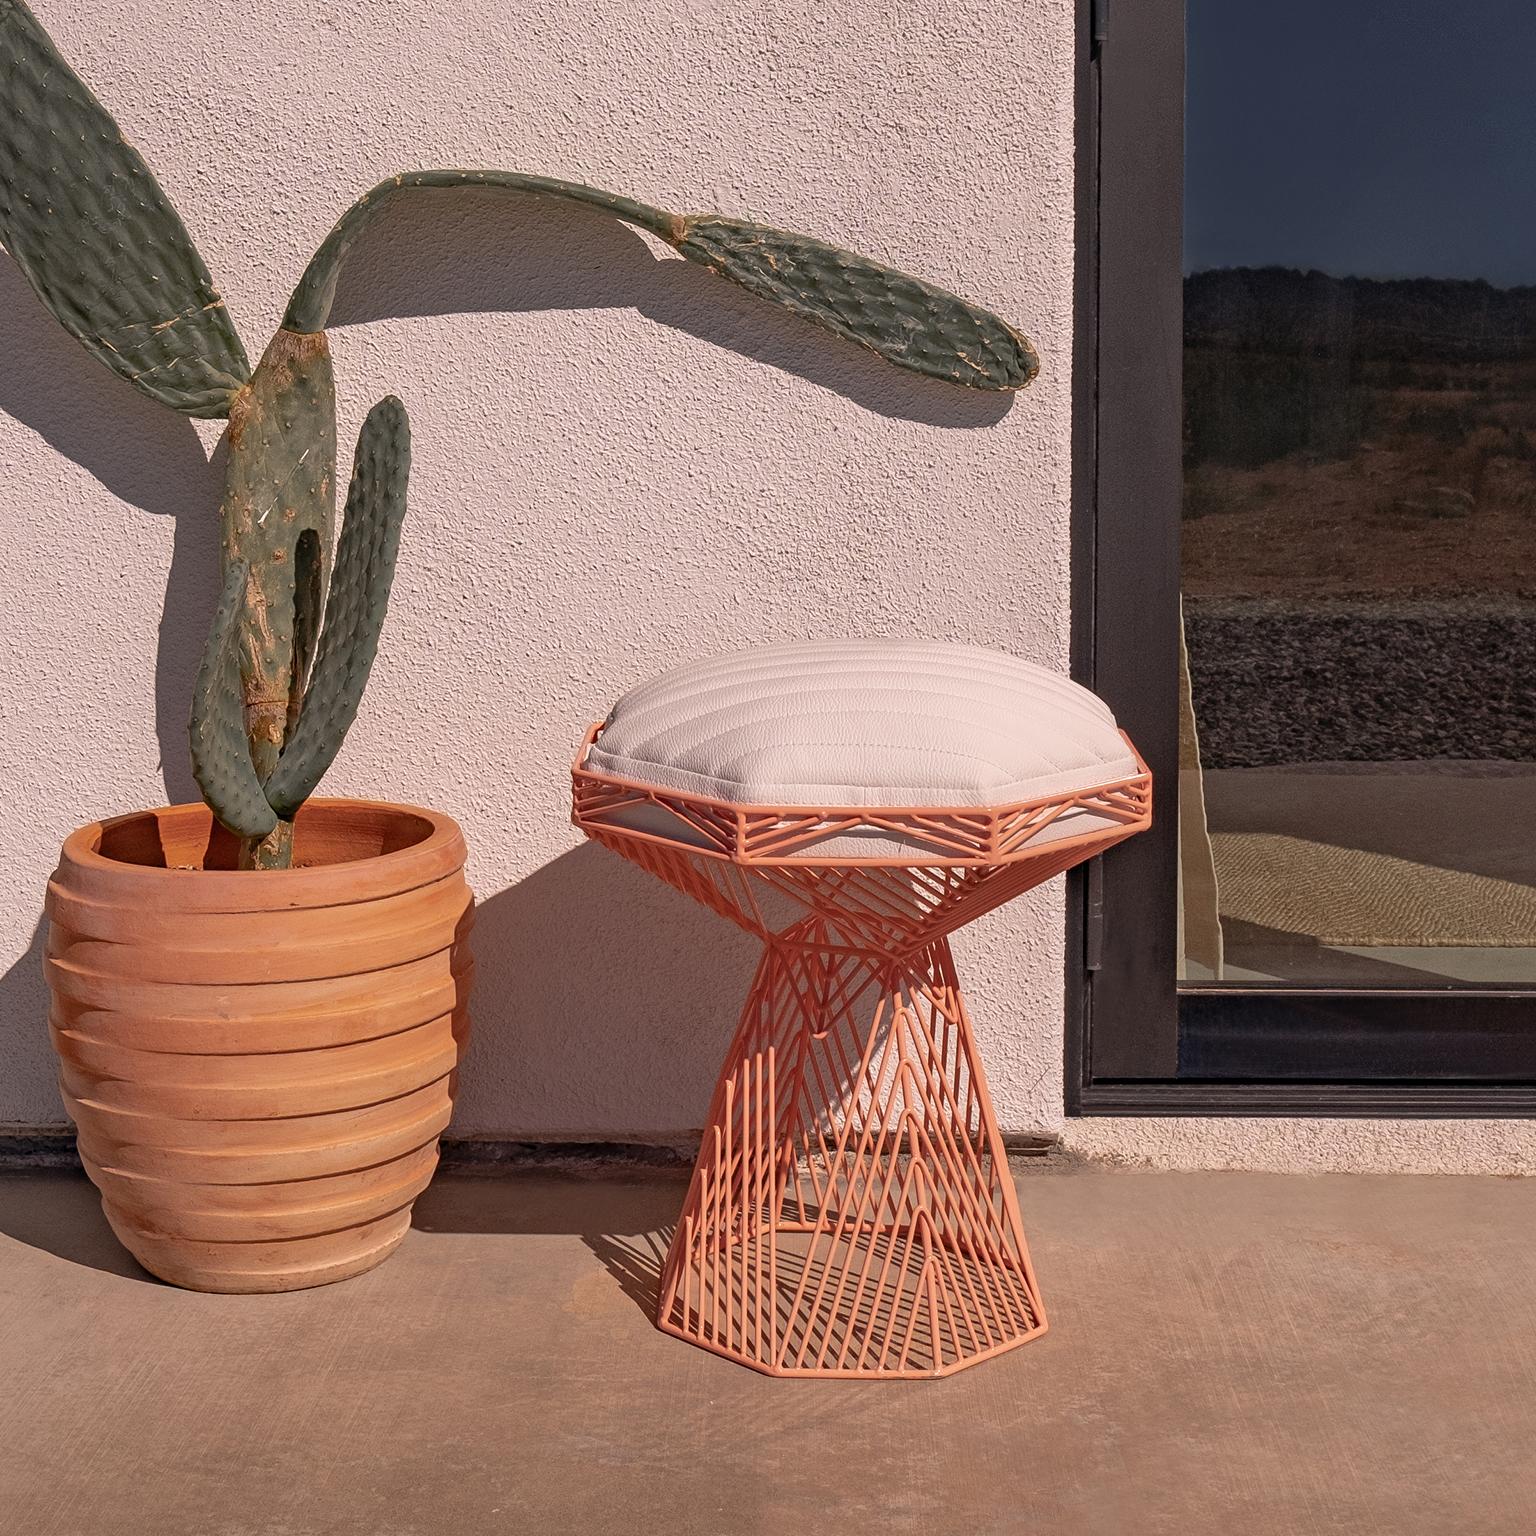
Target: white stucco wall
x=619 y=463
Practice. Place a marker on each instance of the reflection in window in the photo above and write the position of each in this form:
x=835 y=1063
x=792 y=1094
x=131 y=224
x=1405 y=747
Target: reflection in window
x=1359 y=531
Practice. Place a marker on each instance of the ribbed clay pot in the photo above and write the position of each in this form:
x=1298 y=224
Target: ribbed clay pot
x=259 y=1063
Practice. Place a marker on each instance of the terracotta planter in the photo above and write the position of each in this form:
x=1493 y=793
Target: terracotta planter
x=259 y=1064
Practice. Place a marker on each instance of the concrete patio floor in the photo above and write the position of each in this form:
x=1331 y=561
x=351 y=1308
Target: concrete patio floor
x=1228 y=1352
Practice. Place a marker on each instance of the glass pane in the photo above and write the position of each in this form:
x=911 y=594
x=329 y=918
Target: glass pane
x=1359 y=529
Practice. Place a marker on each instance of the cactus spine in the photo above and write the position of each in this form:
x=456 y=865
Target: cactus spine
x=104 y=249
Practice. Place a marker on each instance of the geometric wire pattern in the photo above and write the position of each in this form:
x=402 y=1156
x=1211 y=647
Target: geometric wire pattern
x=769 y=834
x=851 y=1213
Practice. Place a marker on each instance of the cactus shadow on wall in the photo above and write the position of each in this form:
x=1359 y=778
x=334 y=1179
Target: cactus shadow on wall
x=429 y=254
x=603 y=997
x=143 y=454
x=433 y=254
x=604 y=1002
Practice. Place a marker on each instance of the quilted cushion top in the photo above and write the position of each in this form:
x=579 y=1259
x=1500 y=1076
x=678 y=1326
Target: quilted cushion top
x=897 y=723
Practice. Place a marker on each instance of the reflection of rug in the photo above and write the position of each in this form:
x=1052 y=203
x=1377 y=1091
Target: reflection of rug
x=1346 y=896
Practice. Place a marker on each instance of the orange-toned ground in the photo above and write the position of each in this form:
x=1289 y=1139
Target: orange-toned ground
x=1436 y=499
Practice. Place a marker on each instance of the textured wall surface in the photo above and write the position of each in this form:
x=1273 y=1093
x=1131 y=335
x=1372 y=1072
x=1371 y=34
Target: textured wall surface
x=620 y=462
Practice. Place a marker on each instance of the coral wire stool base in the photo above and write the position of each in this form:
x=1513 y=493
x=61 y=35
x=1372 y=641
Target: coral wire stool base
x=851 y=1213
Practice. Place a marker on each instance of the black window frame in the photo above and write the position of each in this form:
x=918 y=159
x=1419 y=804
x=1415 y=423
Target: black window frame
x=1134 y=1045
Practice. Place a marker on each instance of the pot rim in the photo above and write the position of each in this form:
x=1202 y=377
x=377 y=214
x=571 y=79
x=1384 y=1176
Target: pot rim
x=441 y=852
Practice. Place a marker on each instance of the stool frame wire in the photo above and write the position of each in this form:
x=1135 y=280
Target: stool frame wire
x=851 y=1214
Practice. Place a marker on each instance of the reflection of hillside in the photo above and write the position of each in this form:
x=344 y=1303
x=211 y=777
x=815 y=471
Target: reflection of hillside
x=1279 y=309
x=1351 y=437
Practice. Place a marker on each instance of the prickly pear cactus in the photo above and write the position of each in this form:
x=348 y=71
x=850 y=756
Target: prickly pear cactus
x=910 y=323
x=279 y=685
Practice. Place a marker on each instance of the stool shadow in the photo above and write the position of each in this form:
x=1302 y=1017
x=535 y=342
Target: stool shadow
x=635 y=1262
x=624 y=1217
x=602 y=1007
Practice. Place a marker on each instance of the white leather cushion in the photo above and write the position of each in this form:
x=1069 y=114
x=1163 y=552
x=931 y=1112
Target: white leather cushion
x=895 y=723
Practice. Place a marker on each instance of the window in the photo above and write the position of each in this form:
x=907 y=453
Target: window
x=1307 y=553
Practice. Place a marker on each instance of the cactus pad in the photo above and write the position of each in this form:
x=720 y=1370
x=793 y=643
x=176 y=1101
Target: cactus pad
x=310 y=307
x=280 y=483
x=354 y=611
x=910 y=323
x=97 y=238
x=221 y=757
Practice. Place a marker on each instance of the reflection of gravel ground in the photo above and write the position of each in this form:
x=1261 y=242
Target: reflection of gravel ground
x=1278 y=682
